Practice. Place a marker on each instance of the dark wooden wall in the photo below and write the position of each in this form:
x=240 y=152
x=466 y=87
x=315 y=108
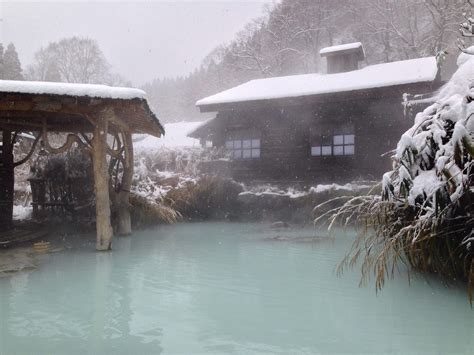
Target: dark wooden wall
x=286 y=146
x=6 y=179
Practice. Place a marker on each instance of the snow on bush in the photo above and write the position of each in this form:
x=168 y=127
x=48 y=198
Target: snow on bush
x=433 y=160
x=161 y=170
x=424 y=216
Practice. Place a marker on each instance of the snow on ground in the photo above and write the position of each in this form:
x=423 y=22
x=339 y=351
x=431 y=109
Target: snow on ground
x=294 y=193
x=175 y=136
x=380 y=75
x=336 y=187
x=22 y=212
x=90 y=90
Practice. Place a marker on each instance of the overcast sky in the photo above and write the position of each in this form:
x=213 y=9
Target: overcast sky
x=141 y=40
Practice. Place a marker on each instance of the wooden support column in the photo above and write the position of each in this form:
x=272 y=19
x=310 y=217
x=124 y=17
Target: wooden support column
x=101 y=182
x=7 y=178
x=124 y=222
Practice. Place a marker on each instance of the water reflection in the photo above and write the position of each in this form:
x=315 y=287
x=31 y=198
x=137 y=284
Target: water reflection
x=221 y=288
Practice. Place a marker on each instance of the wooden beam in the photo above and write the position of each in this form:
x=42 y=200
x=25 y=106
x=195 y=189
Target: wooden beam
x=50 y=128
x=101 y=181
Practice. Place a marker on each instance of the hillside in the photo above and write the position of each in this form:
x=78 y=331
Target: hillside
x=288 y=38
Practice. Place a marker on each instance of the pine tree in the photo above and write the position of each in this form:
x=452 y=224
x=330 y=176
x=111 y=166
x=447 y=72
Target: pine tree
x=11 y=64
x=1 y=61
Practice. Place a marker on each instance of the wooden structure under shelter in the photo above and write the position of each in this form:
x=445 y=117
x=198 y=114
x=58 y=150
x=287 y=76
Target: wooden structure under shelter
x=90 y=116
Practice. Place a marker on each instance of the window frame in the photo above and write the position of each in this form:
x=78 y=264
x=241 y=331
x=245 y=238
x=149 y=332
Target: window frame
x=337 y=142
x=244 y=145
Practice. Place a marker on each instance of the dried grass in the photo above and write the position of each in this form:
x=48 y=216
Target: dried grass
x=390 y=234
x=207 y=198
x=145 y=212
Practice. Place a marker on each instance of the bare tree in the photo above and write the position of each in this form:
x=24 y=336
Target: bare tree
x=246 y=52
x=288 y=38
x=44 y=67
x=72 y=60
x=406 y=29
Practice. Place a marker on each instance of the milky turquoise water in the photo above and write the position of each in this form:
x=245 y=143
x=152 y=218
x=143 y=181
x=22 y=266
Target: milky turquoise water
x=223 y=288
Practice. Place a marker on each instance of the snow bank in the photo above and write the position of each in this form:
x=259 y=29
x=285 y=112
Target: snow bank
x=267 y=190
x=336 y=187
x=22 y=212
x=176 y=135
x=380 y=75
x=68 y=89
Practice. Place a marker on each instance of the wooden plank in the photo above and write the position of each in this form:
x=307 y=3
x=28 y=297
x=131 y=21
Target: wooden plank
x=17 y=236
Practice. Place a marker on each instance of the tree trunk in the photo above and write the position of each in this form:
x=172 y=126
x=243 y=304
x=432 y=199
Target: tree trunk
x=123 y=199
x=101 y=181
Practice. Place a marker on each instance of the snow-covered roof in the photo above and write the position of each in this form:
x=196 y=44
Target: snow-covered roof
x=340 y=48
x=200 y=130
x=67 y=89
x=373 y=76
x=129 y=105
x=176 y=136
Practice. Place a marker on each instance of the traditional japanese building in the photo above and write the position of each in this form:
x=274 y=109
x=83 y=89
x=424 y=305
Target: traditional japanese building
x=332 y=127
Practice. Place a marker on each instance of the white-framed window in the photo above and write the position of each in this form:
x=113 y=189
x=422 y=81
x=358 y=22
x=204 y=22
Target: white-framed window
x=243 y=145
x=340 y=143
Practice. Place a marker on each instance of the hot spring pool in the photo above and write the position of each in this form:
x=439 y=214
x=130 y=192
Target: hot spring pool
x=223 y=288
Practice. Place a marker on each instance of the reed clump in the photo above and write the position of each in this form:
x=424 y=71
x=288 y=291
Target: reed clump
x=390 y=234
x=209 y=197
x=145 y=212
x=424 y=217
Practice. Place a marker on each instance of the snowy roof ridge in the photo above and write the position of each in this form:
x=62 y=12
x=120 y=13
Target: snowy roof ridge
x=374 y=76
x=340 y=48
x=69 y=89
x=178 y=136
x=196 y=132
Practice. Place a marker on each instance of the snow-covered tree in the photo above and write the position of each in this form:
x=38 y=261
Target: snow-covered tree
x=11 y=64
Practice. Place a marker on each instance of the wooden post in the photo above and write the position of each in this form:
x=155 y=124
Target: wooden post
x=7 y=177
x=124 y=222
x=101 y=182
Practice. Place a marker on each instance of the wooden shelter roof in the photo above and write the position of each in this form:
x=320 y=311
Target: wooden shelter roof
x=70 y=107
